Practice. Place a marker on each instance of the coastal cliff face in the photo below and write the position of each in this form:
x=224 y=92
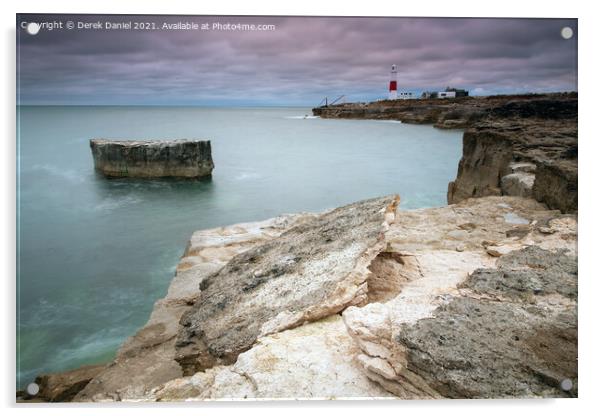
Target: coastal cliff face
x=526 y=148
x=513 y=145
x=152 y=158
x=413 y=318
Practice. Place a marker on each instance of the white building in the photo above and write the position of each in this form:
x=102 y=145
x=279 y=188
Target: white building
x=405 y=95
x=446 y=94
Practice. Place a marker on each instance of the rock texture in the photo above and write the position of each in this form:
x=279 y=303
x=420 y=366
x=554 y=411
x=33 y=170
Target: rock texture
x=520 y=180
x=311 y=361
x=62 y=387
x=500 y=131
x=152 y=158
x=516 y=323
x=473 y=322
x=547 y=140
x=311 y=271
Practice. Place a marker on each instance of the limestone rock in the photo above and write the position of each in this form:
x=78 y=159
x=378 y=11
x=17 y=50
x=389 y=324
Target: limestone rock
x=556 y=184
x=499 y=155
x=416 y=277
x=152 y=158
x=528 y=272
x=311 y=271
x=522 y=346
x=498 y=250
x=542 y=106
x=468 y=325
x=522 y=151
x=524 y=167
x=308 y=362
x=518 y=184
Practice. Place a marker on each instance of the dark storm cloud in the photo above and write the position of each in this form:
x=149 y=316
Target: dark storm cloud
x=301 y=61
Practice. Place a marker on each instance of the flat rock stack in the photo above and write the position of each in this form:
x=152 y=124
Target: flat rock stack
x=152 y=158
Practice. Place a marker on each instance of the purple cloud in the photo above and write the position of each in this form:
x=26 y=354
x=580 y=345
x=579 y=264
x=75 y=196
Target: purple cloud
x=298 y=63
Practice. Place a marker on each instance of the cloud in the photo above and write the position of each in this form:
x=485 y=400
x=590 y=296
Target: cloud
x=301 y=61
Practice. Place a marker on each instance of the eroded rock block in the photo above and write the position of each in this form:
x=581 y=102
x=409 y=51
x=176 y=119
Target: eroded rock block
x=311 y=271
x=528 y=290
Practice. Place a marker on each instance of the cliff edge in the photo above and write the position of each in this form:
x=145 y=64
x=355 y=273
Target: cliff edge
x=516 y=145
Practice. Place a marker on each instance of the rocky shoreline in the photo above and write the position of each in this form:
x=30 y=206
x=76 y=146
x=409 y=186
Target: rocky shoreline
x=516 y=145
x=477 y=299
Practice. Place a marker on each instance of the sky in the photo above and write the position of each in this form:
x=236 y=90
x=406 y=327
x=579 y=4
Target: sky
x=299 y=62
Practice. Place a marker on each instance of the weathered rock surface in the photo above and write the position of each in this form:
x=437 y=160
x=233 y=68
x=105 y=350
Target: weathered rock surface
x=513 y=333
x=520 y=180
x=469 y=324
x=311 y=271
x=152 y=158
x=518 y=184
x=494 y=144
x=538 y=130
x=556 y=184
x=311 y=361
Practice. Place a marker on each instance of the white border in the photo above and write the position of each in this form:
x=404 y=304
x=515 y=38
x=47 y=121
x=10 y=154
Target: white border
x=590 y=201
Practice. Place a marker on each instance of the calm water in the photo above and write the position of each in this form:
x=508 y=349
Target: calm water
x=95 y=254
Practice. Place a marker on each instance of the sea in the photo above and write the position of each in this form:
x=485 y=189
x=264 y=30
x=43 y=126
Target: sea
x=94 y=254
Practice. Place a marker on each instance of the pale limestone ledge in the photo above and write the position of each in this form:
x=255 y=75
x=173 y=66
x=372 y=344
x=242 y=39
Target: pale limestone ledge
x=429 y=253
x=313 y=361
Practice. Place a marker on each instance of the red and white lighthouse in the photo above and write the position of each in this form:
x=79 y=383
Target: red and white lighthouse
x=393 y=83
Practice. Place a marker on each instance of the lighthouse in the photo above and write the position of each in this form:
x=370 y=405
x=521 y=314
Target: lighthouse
x=393 y=83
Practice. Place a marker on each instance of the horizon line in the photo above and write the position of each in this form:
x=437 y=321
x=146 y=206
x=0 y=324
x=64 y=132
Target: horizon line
x=279 y=105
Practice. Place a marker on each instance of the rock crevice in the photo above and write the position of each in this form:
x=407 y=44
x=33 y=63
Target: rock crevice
x=473 y=324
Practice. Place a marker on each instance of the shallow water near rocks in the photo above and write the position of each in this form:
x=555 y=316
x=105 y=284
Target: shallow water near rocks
x=95 y=254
